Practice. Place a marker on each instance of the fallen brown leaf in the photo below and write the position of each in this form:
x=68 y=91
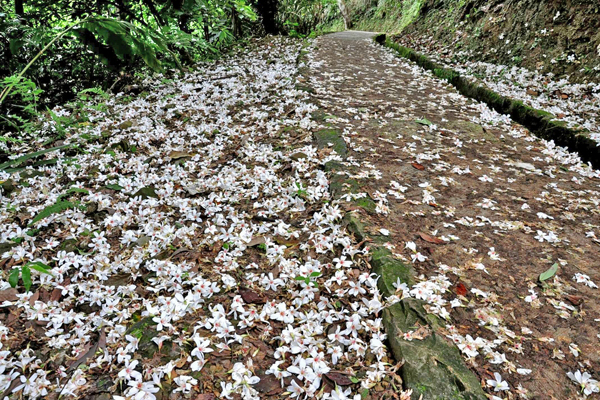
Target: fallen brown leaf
x=8 y=295
x=206 y=396
x=256 y=241
x=575 y=300
x=251 y=297
x=339 y=378
x=34 y=298
x=101 y=343
x=431 y=239
x=417 y=166
x=460 y=289
x=532 y=92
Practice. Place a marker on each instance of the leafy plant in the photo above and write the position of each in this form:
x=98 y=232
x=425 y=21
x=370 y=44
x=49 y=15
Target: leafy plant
x=28 y=94
x=544 y=276
x=56 y=208
x=18 y=161
x=38 y=47
x=301 y=192
x=127 y=39
x=24 y=272
x=309 y=280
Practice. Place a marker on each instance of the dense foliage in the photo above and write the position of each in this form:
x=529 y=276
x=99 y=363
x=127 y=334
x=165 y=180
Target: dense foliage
x=104 y=43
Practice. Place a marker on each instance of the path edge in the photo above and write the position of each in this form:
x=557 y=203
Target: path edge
x=539 y=122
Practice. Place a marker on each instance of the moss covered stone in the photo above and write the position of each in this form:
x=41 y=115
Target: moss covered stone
x=389 y=270
x=145 y=331
x=331 y=137
x=433 y=368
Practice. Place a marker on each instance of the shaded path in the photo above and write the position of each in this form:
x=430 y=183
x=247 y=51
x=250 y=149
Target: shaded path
x=506 y=205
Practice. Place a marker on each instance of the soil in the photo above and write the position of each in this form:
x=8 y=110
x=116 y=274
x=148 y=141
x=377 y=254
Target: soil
x=401 y=125
x=538 y=35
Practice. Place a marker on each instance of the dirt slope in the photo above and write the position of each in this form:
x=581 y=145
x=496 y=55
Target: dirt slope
x=562 y=37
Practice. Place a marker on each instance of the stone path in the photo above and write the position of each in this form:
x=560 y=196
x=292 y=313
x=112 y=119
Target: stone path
x=479 y=207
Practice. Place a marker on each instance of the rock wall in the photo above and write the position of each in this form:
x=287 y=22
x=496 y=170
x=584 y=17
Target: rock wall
x=558 y=36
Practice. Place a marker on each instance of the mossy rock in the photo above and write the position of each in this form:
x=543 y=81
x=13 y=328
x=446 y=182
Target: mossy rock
x=368 y=204
x=69 y=245
x=8 y=186
x=6 y=246
x=389 y=270
x=125 y=125
x=305 y=88
x=433 y=368
x=355 y=226
x=104 y=384
x=327 y=137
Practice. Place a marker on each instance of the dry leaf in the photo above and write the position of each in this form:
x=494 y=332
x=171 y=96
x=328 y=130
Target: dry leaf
x=417 y=166
x=8 y=295
x=101 y=343
x=176 y=155
x=421 y=333
x=460 y=289
x=206 y=396
x=339 y=378
x=251 y=297
x=256 y=241
x=431 y=239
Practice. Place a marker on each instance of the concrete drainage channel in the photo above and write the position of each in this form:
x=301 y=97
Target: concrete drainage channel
x=432 y=367
x=541 y=123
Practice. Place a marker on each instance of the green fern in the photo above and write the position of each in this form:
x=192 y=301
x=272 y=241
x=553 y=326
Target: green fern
x=56 y=208
x=69 y=192
x=18 y=161
x=127 y=39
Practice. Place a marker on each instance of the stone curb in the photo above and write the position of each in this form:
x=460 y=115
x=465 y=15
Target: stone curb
x=540 y=122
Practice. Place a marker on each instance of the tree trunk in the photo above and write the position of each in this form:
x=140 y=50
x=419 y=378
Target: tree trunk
x=155 y=12
x=267 y=9
x=345 y=15
x=236 y=26
x=19 y=8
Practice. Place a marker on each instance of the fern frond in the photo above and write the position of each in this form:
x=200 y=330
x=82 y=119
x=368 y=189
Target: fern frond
x=70 y=192
x=22 y=159
x=56 y=208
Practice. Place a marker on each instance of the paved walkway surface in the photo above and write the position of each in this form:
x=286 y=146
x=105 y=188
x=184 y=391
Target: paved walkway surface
x=480 y=207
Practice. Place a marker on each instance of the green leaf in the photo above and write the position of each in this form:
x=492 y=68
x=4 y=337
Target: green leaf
x=13 y=278
x=71 y=191
x=15 y=45
x=316 y=273
x=549 y=273
x=26 y=157
x=354 y=379
x=53 y=209
x=114 y=187
x=424 y=121
x=40 y=267
x=26 y=276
